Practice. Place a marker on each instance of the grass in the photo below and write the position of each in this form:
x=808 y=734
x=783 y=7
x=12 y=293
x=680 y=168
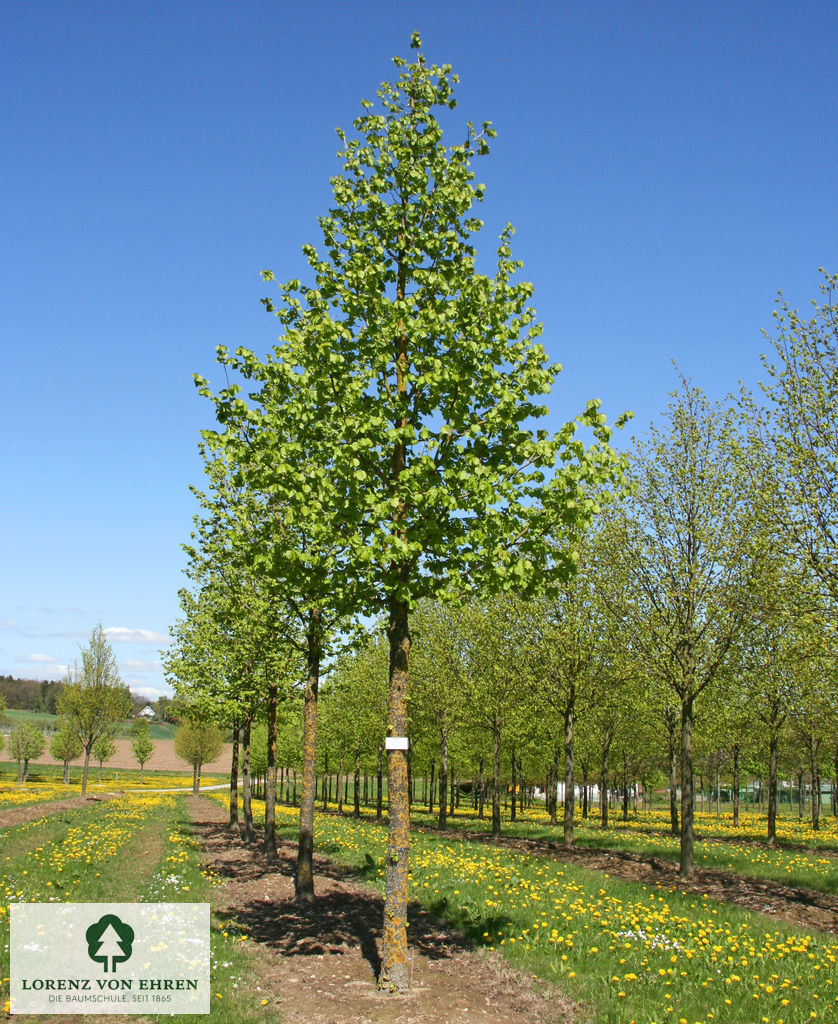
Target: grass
x=635 y=953
x=137 y=848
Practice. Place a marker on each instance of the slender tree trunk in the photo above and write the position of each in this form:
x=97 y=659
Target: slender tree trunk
x=453 y=791
x=481 y=795
x=442 y=819
x=247 y=795
x=304 y=875
x=673 y=776
x=772 y=787
x=431 y=788
x=512 y=816
x=814 y=744
x=67 y=773
x=394 y=968
x=584 y=790
x=356 y=806
x=686 y=866
x=735 y=784
x=379 y=786
x=569 y=780
x=340 y=785
x=603 y=777
x=234 y=779
x=554 y=787
x=83 y=774
x=269 y=842
x=496 y=777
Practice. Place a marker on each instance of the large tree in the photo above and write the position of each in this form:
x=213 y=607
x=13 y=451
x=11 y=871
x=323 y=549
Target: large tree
x=94 y=697
x=415 y=376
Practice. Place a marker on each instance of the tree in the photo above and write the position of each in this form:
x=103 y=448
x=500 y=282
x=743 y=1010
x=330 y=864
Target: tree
x=693 y=549
x=25 y=743
x=798 y=433
x=198 y=743
x=414 y=375
x=141 y=745
x=94 y=697
x=103 y=750
x=65 y=747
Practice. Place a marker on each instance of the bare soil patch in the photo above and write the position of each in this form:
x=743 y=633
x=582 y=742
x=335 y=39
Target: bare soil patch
x=162 y=759
x=317 y=963
x=805 y=909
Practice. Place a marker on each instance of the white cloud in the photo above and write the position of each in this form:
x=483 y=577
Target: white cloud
x=39 y=659
x=121 y=635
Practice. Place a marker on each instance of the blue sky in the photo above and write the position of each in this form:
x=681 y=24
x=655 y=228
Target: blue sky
x=668 y=167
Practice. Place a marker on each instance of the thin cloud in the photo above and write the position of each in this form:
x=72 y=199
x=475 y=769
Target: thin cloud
x=141 y=666
x=122 y=635
x=38 y=659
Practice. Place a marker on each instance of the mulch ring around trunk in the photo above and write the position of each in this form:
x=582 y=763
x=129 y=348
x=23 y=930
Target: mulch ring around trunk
x=317 y=962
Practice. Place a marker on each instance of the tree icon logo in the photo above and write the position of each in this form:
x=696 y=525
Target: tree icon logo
x=109 y=939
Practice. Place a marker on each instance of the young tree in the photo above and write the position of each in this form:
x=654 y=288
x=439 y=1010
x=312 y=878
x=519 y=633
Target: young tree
x=94 y=698
x=198 y=743
x=65 y=747
x=26 y=742
x=693 y=551
x=103 y=750
x=141 y=745
x=798 y=433
x=414 y=375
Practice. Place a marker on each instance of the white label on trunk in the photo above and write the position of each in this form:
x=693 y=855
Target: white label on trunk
x=395 y=743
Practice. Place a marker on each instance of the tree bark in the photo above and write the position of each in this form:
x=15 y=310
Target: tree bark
x=481 y=795
x=603 y=776
x=442 y=818
x=687 y=865
x=394 y=968
x=673 y=775
x=772 y=787
x=269 y=841
x=234 y=779
x=247 y=795
x=735 y=784
x=569 y=780
x=431 y=788
x=304 y=875
x=496 y=777
x=379 y=786
x=356 y=802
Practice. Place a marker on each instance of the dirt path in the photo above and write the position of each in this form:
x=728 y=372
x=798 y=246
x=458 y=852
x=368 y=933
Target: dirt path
x=804 y=909
x=317 y=964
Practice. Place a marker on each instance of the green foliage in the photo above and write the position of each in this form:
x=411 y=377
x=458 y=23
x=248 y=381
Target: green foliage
x=25 y=743
x=65 y=745
x=104 y=749
x=198 y=743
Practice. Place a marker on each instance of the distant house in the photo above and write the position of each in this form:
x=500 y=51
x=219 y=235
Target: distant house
x=147 y=713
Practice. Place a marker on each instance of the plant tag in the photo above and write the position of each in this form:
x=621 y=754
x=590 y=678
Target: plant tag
x=395 y=742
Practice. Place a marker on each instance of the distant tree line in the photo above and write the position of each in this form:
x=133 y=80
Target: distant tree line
x=41 y=695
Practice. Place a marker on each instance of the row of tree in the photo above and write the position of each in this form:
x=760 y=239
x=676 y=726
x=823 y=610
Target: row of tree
x=380 y=464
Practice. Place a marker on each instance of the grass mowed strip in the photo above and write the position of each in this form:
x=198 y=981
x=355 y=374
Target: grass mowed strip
x=137 y=848
x=635 y=952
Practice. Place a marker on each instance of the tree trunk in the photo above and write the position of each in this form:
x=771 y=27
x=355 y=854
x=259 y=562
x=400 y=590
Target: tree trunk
x=512 y=816
x=247 y=795
x=584 y=791
x=673 y=776
x=814 y=744
x=496 y=777
x=394 y=967
x=340 y=785
x=481 y=795
x=442 y=819
x=431 y=788
x=603 y=777
x=686 y=866
x=304 y=874
x=735 y=785
x=569 y=780
x=772 y=787
x=453 y=791
x=83 y=774
x=356 y=803
x=269 y=842
x=379 y=786
x=234 y=779
x=67 y=773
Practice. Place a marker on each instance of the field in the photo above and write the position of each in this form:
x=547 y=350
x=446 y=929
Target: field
x=605 y=935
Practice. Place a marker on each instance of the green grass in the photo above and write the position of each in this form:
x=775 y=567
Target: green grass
x=139 y=848
x=632 y=952
x=53 y=774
